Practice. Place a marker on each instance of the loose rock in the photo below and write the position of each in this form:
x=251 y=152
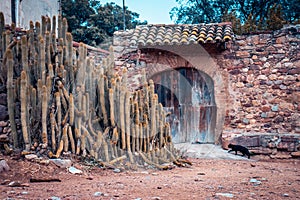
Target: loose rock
x=4 y=166
x=73 y=170
x=98 y=194
x=228 y=195
x=62 y=163
x=116 y=170
x=31 y=156
x=3 y=113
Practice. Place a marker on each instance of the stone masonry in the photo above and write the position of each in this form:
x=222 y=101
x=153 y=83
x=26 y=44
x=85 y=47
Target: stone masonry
x=264 y=105
x=260 y=74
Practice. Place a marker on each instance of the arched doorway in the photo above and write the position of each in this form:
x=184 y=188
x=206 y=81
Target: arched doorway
x=188 y=95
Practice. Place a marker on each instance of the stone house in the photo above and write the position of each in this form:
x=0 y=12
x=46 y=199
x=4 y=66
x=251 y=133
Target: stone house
x=220 y=87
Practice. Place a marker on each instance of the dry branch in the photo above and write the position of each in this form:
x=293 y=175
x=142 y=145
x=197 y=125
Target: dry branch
x=41 y=180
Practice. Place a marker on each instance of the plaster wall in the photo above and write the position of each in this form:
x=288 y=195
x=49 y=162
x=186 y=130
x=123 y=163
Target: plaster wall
x=29 y=10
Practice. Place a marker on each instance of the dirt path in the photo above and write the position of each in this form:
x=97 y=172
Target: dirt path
x=206 y=179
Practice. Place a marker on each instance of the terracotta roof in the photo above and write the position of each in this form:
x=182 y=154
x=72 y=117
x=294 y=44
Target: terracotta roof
x=91 y=48
x=181 y=34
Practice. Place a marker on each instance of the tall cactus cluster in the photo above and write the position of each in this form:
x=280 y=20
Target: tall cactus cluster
x=70 y=104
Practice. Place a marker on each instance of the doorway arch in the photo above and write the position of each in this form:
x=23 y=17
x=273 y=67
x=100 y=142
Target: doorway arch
x=187 y=94
x=156 y=59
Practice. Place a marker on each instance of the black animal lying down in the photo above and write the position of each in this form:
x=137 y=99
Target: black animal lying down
x=239 y=148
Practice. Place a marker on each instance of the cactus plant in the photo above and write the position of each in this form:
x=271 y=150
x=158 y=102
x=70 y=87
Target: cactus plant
x=24 y=110
x=89 y=107
x=10 y=96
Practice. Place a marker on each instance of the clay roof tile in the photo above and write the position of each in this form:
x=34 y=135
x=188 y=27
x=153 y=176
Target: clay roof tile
x=160 y=34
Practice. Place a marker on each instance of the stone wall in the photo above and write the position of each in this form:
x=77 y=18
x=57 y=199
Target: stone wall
x=260 y=74
x=264 y=91
x=4 y=123
x=265 y=82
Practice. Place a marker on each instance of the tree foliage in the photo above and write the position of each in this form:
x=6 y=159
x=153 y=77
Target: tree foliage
x=91 y=22
x=246 y=15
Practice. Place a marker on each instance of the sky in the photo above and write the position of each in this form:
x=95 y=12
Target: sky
x=154 y=11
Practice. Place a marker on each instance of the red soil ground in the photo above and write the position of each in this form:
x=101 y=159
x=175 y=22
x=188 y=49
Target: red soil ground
x=205 y=179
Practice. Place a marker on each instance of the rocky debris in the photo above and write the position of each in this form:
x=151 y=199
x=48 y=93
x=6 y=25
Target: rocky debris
x=55 y=198
x=228 y=195
x=74 y=170
x=252 y=165
x=4 y=166
x=281 y=156
x=255 y=182
x=3 y=123
x=62 y=163
x=3 y=99
x=285 y=195
x=155 y=198
x=99 y=194
x=3 y=113
x=272 y=145
x=24 y=193
x=296 y=154
x=18 y=184
x=116 y=170
x=4 y=138
x=31 y=156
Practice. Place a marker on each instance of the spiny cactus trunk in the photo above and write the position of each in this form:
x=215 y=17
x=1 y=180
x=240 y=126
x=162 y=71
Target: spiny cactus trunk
x=24 y=110
x=11 y=97
x=81 y=107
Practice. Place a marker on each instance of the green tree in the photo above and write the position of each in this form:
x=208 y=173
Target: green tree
x=92 y=23
x=109 y=17
x=199 y=11
x=252 y=14
x=275 y=18
x=77 y=12
x=290 y=10
x=250 y=25
x=236 y=22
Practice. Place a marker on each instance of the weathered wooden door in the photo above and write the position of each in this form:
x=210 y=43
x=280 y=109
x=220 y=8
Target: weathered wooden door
x=188 y=95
